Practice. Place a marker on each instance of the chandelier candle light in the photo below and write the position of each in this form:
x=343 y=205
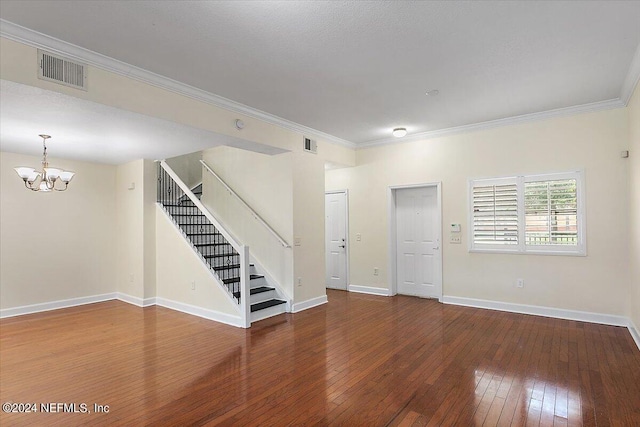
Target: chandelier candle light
x=46 y=179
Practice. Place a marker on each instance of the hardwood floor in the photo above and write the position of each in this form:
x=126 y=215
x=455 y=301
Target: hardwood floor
x=358 y=361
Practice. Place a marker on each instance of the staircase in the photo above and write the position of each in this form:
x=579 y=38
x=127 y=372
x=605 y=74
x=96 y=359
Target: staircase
x=220 y=256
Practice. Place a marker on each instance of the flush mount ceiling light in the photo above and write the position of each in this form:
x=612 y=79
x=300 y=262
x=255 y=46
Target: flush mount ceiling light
x=432 y=92
x=46 y=179
x=399 y=132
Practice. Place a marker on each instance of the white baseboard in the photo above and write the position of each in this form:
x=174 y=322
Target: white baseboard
x=635 y=332
x=369 y=290
x=305 y=305
x=559 y=313
x=146 y=302
x=200 y=312
x=55 y=305
x=139 y=302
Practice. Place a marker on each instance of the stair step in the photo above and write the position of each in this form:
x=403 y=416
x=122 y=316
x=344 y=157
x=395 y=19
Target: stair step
x=235 y=279
x=226 y=267
x=266 y=304
x=186 y=214
x=203 y=234
x=210 y=244
x=219 y=255
x=232 y=266
x=254 y=291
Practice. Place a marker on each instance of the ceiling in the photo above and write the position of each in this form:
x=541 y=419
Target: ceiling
x=356 y=69
x=84 y=130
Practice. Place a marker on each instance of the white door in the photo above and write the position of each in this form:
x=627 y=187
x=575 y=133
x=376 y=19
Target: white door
x=418 y=242
x=336 y=240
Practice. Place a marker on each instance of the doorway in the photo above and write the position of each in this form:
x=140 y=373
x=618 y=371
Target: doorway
x=336 y=239
x=415 y=240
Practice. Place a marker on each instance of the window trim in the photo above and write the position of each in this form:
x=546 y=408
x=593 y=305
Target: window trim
x=521 y=247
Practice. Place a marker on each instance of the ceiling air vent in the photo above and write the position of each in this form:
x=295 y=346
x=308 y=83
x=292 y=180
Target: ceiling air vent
x=55 y=68
x=310 y=145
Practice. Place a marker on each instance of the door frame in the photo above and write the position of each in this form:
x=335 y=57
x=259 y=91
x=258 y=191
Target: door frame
x=346 y=232
x=392 y=235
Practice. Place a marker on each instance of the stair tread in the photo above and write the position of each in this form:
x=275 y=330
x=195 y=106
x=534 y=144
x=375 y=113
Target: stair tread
x=237 y=279
x=218 y=255
x=254 y=291
x=204 y=234
x=266 y=304
x=226 y=267
x=210 y=244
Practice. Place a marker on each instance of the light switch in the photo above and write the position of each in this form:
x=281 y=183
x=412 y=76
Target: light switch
x=455 y=239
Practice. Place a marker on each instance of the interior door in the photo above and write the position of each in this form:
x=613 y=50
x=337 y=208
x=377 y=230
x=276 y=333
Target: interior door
x=336 y=240
x=418 y=242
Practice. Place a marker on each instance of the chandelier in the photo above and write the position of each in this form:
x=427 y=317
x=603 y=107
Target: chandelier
x=46 y=179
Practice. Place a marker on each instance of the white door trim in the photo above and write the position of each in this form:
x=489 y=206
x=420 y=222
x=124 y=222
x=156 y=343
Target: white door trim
x=346 y=231
x=392 y=236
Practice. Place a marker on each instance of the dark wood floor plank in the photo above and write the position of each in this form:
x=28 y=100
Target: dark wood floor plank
x=359 y=360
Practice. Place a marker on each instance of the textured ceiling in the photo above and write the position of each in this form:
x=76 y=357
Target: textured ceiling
x=357 y=69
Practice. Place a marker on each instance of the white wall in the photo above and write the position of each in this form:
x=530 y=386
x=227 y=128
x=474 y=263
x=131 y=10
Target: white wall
x=130 y=229
x=135 y=200
x=595 y=283
x=308 y=226
x=188 y=168
x=56 y=246
x=266 y=184
x=634 y=202
x=287 y=191
x=178 y=266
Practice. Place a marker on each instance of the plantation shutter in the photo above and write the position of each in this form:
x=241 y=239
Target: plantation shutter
x=551 y=212
x=495 y=213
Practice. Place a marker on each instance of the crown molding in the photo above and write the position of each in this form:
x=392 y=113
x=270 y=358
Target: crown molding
x=631 y=81
x=507 y=121
x=32 y=38
x=35 y=39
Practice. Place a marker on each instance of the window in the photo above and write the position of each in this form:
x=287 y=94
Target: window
x=528 y=214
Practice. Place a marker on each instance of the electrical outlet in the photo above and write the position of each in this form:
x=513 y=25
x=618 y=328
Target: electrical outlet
x=193 y=285
x=299 y=281
x=297 y=241
x=520 y=283
x=376 y=270
x=455 y=239
x=131 y=278
x=358 y=237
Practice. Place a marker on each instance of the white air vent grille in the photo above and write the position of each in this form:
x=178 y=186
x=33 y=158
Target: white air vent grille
x=61 y=70
x=310 y=145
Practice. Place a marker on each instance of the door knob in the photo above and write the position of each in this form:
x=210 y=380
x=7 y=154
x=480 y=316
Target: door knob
x=341 y=246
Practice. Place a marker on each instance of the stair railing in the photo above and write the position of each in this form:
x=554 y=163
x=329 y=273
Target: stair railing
x=171 y=189
x=243 y=203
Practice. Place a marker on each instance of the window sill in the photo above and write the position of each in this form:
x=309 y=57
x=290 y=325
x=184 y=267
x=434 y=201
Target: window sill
x=529 y=252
